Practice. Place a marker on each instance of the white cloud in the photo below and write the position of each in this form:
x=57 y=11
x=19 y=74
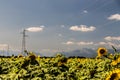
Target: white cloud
x=85 y=11
x=35 y=29
x=109 y=38
x=102 y=43
x=107 y=44
x=69 y=43
x=82 y=28
x=78 y=43
x=114 y=17
x=60 y=35
x=85 y=43
x=113 y=44
x=93 y=44
x=110 y=43
x=62 y=26
x=3 y=46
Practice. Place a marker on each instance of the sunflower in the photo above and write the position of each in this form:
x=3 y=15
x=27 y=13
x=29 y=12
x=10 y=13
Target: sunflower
x=114 y=75
x=101 y=52
x=111 y=56
x=20 y=56
x=114 y=63
x=32 y=56
x=118 y=59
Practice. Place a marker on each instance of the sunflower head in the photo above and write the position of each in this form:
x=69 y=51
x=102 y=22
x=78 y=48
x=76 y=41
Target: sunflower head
x=102 y=52
x=32 y=56
x=20 y=56
x=114 y=63
x=114 y=75
x=111 y=56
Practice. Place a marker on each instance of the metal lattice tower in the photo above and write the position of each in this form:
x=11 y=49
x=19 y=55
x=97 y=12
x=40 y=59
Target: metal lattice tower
x=24 y=41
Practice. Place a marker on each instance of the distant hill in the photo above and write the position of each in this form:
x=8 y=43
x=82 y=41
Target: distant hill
x=85 y=52
x=82 y=53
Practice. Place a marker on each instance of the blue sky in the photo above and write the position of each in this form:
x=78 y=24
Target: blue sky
x=68 y=24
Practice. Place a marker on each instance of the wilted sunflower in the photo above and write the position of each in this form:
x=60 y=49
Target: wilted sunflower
x=101 y=52
x=114 y=75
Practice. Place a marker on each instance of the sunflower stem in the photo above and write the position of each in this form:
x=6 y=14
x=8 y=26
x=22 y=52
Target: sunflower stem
x=115 y=50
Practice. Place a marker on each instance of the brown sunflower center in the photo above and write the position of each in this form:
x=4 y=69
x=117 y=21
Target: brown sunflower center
x=113 y=76
x=102 y=51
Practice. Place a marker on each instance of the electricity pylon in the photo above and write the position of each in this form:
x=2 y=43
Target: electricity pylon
x=24 y=42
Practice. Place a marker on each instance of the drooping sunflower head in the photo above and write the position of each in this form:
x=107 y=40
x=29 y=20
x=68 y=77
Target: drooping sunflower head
x=101 y=51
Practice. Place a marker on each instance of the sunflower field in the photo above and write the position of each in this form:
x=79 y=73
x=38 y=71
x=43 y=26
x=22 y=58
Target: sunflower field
x=104 y=67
